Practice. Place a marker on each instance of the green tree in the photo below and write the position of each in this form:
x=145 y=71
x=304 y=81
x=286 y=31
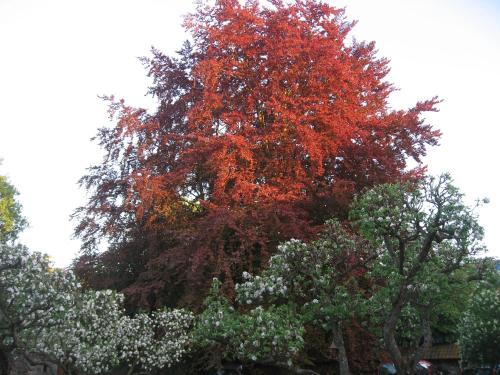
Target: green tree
x=425 y=234
x=272 y=335
x=314 y=285
x=479 y=330
x=463 y=284
x=11 y=220
x=319 y=278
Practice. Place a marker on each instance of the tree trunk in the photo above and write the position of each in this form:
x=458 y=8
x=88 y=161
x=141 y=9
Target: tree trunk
x=389 y=335
x=427 y=341
x=405 y=366
x=338 y=340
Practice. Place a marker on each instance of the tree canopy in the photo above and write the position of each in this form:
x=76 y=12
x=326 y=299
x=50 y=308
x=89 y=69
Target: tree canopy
x=413 y=250
x=321 y=280
x=11 y=220
x=424 y=233
x=268 y=122
x=479 y=329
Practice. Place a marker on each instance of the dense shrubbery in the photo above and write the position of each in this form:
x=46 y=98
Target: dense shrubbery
x=46 y=316
x=396 y=279
x=273 y=333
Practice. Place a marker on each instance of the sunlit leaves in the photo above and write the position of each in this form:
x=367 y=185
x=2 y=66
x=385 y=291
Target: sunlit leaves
x=268 y=122
x=11 y=220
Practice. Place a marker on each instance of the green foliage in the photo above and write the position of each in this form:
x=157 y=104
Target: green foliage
x=454 y=300
x=425 y=235
x=11 y=220
x=261 y=334
x=320 y=277
x=479 y=330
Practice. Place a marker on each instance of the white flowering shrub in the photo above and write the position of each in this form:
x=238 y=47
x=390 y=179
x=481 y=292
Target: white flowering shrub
x=83 y=332
x=278 y=279
x=153 y=341
x=479 y=331
x=261 y=334
x=45 y=312
x=93 y=335
x=31 y=294
x=303 y=284
x=319 y=278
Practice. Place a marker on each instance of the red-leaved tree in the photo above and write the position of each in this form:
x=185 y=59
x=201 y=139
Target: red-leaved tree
x=267 y=124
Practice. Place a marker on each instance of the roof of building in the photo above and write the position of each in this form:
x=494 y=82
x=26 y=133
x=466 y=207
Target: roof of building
x=445 y=351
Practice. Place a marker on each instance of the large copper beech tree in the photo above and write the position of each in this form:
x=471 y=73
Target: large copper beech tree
x=268 y=122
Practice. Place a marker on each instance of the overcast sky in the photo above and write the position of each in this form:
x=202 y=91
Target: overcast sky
x=57 y=56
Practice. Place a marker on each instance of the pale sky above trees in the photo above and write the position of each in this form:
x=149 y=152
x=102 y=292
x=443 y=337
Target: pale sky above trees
x=58 y=55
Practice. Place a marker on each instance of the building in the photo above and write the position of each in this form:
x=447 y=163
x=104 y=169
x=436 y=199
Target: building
x=445 y=359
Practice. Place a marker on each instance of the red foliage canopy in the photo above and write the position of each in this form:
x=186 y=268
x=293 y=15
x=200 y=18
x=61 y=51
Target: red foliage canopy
x=268 y=122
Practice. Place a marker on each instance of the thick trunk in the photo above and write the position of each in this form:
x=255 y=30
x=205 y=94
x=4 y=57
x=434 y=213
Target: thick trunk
x=338 y=339
x=389 y=334
x=405 y=366
x=427 y=341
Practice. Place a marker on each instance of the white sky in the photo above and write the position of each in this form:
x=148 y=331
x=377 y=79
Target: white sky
x=56 y=56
